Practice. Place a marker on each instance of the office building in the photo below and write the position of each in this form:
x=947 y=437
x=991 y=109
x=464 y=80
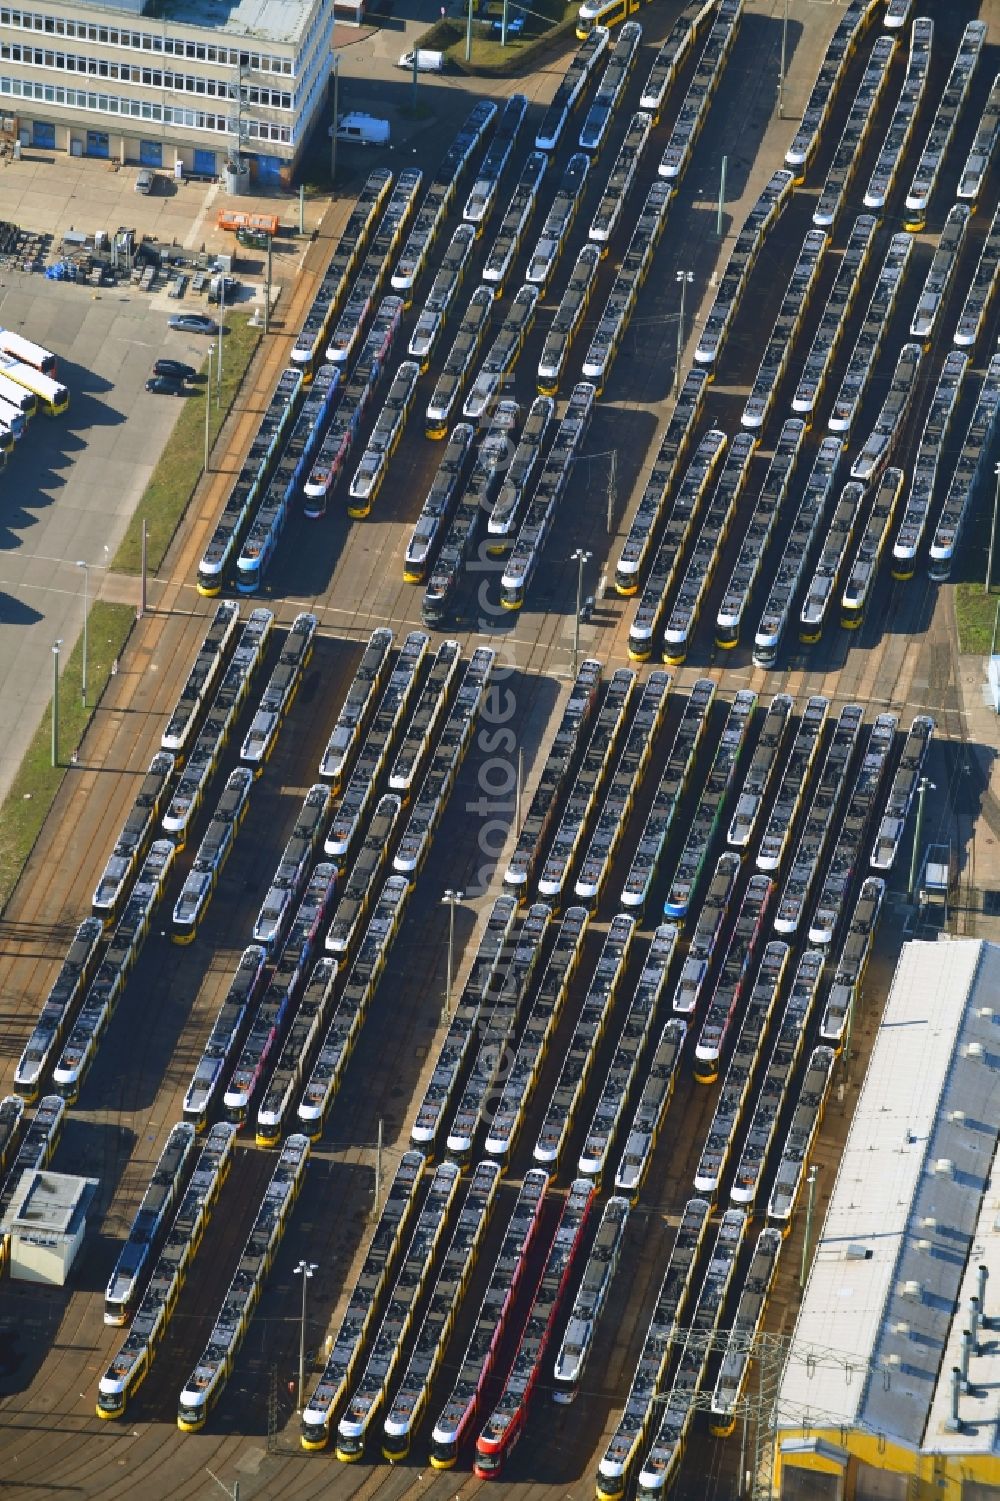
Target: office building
x=167 y=82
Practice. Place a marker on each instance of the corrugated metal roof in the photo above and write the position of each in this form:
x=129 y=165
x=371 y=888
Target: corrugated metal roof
x=910 y=1216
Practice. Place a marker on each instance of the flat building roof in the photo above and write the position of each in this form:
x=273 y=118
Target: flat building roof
x=49 y=1203
x=263 y=21
x=914 y=1214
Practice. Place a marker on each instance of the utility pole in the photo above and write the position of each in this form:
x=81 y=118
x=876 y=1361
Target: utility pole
x=503 y=25
x=580 y=557
x=468 y=34
x=378 y=1165
x=685 y=278
x=416 y=70
x=722 y=198
x=923 y=787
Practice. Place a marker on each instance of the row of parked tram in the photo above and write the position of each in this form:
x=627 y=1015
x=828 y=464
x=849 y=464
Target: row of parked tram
x=527 y=967
x=286 y=1012
x=305 y=437
x=26 y=1146
x=682 y=522
x=289 y=1026
x=736 y=959
x=335 y=326
x=500 y=928
x=748 y=1016
x=457 y=382
x=621 y=301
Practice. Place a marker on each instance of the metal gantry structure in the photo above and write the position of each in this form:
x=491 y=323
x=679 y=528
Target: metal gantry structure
x=758 y=1410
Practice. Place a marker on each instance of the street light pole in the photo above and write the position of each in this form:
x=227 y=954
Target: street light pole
x=333 y=137
x=468 y=35
x=810 y=1206
x=993 y=530
x=222 y=326
x=784 y=56
x=234 y=1494
x=451 y=900
x=580 y=557
x=304 y=1270
x=518 y=789
x=208 y=403
x=143 y=551
x=923 y=787
x=86 y=601
x=55 y=702
x=267 y=288
x=685 y=278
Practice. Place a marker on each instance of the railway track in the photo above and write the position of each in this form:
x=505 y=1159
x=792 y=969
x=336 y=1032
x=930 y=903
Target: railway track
x=901 y=659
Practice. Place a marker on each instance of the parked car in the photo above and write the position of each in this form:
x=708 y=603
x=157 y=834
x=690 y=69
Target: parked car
x=193 y=323
x=145 y=182
x=427 y=61
x=174 y=370
x=162 y=385
x=364 y=129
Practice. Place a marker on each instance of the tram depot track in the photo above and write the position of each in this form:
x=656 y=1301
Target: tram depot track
x=902 y=659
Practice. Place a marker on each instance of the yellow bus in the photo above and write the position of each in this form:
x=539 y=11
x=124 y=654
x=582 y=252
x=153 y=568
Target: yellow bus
x=53 y=396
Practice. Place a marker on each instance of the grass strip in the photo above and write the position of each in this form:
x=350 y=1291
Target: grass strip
x=179 y=469
x=975 y=615
x=488 y=56
x=34 y=788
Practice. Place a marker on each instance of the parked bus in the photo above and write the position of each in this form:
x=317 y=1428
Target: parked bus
x=53 y=397
x=29 y=354
x=26 y=401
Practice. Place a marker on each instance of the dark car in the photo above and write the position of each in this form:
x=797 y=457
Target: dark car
x=194 y=323
x=162 y=385
x=174 y=370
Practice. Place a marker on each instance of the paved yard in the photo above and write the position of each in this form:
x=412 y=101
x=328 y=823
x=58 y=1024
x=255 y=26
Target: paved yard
x=72 y=482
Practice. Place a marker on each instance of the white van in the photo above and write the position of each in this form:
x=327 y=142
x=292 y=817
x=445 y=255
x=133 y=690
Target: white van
x=427 y=61
x=144 y=181
x=367 y=130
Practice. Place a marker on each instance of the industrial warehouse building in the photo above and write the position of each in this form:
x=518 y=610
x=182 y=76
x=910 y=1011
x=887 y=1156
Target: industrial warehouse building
x=891 y=1389
x=181 y=85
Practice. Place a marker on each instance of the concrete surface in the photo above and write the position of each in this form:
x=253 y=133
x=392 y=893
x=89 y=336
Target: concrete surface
x=50 y=192
x=73 y=481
